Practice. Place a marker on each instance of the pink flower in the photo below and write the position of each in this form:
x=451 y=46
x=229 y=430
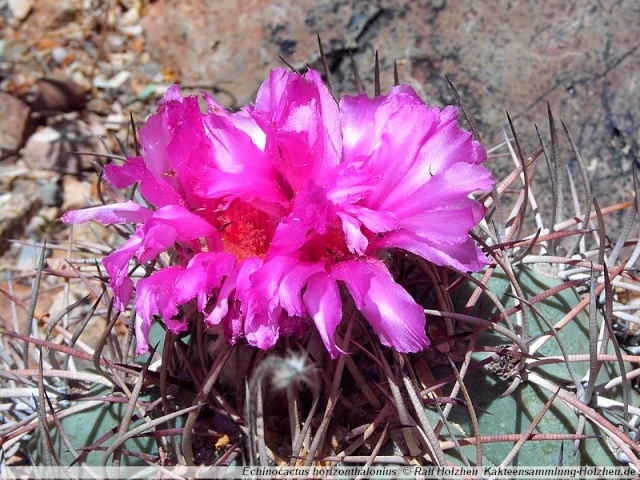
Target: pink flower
x=270 y=211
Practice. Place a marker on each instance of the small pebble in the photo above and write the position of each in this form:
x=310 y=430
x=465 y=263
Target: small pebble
x=20 y=8
x=11 y=50
x=50 y=193
x=58 y=54
x=27 y=258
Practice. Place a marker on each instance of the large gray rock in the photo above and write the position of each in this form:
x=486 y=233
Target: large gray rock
x=230 y=46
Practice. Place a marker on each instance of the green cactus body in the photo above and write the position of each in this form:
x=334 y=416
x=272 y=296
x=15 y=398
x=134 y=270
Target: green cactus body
x=514 y=413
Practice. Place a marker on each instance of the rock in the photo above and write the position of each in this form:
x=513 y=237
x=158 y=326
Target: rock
x=20 y=8
x=15 y=124
x=59 y=54
x=28 y=256
x=42 y=224
x=17 y=207
x=42 y=149
x=48 y=16
x=197 y=41
x=53 y=95
x=11 y=49
x=19 y=291
x=59 y=148
x=76 y=193
x=50 y=193
x=112 y=83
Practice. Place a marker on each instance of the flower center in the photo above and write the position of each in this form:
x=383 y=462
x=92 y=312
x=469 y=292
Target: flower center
x=246 y=231
x=330 y=247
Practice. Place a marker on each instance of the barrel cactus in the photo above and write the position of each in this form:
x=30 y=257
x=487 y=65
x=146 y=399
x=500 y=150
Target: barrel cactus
x=531 y=359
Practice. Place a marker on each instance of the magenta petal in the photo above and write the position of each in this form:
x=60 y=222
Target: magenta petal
x=302 y=123
x=263 y=296
x=465 y=256
x=386 y=133
x=444 y=149
x=292 y=284
x=127 y=212
x=158 y=237
x=446 y=188
x=204 y=272
x=155 y=190
x=237 y=284
x=142 y=328
x=188 y=225
x=176 y=324
x=311 y=213
x=125 y=175
x=449 y=225
x=282 y=280
x=161 y=128
x=245 y=184
x=156 y=295
x=356 y=241
x=122 y=293
x=354 y=217
x=263 y=333
x=117 y=266
x=449 y=144
x=323 y=304
x=395 y=317
x=244 y=292
x=350 y=182
x=221 y=309
x=242 y=120
x=360 y=130
x=241 y=169
x=261 y=325
x=376 y=221
x=361 y=275
x=233 y=328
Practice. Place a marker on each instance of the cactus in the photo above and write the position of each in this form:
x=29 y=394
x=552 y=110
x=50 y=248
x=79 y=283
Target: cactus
x=532 y=360
x=562 y=372
x=516 y=412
